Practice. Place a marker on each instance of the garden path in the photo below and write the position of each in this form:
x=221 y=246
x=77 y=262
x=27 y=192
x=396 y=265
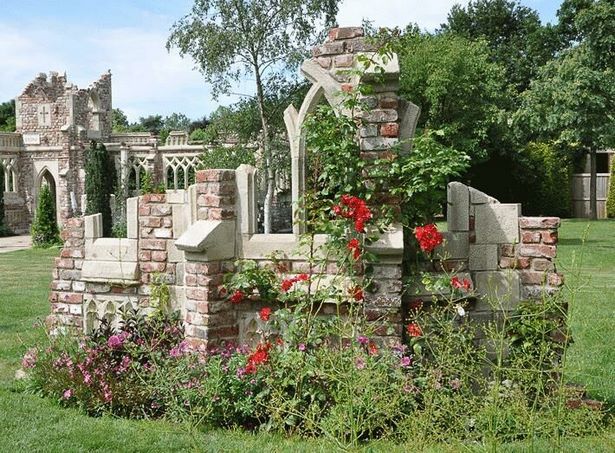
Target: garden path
x=12 y=243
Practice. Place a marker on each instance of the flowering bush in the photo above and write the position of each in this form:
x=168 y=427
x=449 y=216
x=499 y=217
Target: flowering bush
x=428 y=237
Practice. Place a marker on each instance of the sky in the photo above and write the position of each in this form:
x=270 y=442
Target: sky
x=85 y=38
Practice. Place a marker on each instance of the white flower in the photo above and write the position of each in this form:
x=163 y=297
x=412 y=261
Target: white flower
x=460 y=311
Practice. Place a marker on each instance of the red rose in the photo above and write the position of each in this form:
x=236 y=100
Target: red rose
x=464 y=284
x=414 y=330
x=303 y=277
x=237 y=297
x=428 y=237
x=357 y=293
x=264 y=313
x=287 y=284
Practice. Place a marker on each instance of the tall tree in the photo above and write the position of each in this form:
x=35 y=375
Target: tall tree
x=259 y=39
x=7 y=116
x=100 y=177
x=573 y=98
x=45 y=230
x=518 y=40
x=119 y=120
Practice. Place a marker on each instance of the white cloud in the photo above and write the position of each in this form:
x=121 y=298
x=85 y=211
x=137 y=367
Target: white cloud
x=391 y=13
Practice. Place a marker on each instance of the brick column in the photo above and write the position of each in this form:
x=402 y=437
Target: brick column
x=66 y=296
x=155 y=233
x=210 y=319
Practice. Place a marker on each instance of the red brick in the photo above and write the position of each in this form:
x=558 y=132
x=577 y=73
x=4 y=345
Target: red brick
x=324 y=62
x=220 y=214
x=212 y=175
x=154 y=198
x=203 y=268
x=555 y=279
x=145 y=255
x=532 y=277
x=74 y=222
x=65 y=263
x=144 y=210
x=153 y=244
x=549 y=237
x=159 y=255
x=196 y=294
x=530 y=237
x=345 y=33
x=389 y=130
x=152 y=222
x=191 y=280
x=223 y=332
x=389 y=102
x=507 y=250
x=539 y=222
x=160 y=210
x=152 y=267
x=70 y=298
x=72 y=253
x=538 y=250
x=542 y=264
x=344 y=61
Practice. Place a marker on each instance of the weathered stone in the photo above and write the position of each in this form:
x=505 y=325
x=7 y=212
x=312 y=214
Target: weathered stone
x=539 y=222
x=497 y=223
x=377 y=143
x=483 y=257
x=500 y=290
x=458 y=212
x=380 y=116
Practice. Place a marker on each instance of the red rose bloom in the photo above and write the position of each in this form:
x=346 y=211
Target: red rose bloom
x=287 y=284
x=237 y=297
x=258 y=357
x=264 y=313
x=355 y=247
x=357 y=293
x=303 y=277
x=428 y=237
x=464 y=284
x=353 y=208
x=414 y=330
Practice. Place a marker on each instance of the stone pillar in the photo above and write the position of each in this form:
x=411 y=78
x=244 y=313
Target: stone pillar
x=210 y=319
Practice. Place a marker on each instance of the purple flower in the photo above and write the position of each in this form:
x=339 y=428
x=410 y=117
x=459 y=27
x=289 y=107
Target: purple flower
x=405 y=362
x=115 y=341
x=179 y=350
x=363 y=339
x=359 y=363
x=301 y=347
x=67 y=394
x=240 y=372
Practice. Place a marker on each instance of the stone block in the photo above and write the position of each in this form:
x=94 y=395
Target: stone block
x=93 y=226
x=497 y=223
x=456 y=245
x=380 y=116
x=458 y=214
x=181 y=219
x=483 y=257
x=368 y=130
x=213 y=238
x=377 y=143
x=499 y=290
x=175 y=255
x=110 y=271
x=538 y=250
x=478 y=197
x=132 y=212
x=176 y=196
x=111 y=249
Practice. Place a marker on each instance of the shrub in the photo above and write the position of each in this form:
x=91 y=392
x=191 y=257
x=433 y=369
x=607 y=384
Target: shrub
x=44 y=229
x=610 y=201
x=548 y=177
x=222 y=157
x=100 y=176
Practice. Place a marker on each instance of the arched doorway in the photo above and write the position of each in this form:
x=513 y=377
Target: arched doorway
x=45 y=178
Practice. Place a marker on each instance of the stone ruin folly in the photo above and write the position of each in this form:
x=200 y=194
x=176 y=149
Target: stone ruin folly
x=192 y=236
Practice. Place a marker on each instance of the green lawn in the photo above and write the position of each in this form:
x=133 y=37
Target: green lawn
x=29 y=423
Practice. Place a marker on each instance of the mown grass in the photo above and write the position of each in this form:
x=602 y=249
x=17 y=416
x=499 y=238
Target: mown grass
x=29 y=423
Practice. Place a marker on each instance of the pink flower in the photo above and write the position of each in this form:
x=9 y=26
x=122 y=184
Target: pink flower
x=359 y=363
x=29 y=358
x=301 y=347
x=362 y=339
x=67 y=394
x=405 y=362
